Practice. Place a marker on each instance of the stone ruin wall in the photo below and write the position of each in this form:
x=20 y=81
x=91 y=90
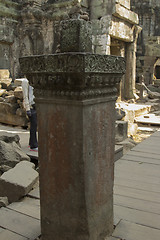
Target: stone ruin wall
x=148 y=49
x=32 y=27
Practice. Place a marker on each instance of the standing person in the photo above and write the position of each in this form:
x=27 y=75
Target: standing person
x=29 y=104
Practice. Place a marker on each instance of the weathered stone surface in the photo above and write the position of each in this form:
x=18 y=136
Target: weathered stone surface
x=149 y=41
x=78 y=37
x=3 y=201
x=4 y=168
x=9 y=138
x=2 y=91
x=121 y=130
x=10 y=152
x=93 y=84
x=4 y=74
x=10 y=99
x=119 y=114
x=18 y=93
x=125 y=3
x=5 y=82
x=18 y=82
x=125 y=14
x=18 y=181
x=117 y=26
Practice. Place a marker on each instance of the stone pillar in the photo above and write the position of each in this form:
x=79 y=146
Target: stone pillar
x=130 y=76
x=130 y=71
x=75 y=97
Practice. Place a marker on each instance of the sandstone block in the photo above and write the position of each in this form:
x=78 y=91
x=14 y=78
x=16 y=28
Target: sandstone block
x=18 y=93
x=18 y=181
x=5 y=82
x=10 y=99
x=2 y=91
x=4 y=73
x=21 y=112
x=3 y=201
x=18 y=82
x=11 y=154
x=121 y=130
x=75 y=37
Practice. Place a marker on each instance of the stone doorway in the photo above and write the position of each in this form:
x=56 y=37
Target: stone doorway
x=117 y=48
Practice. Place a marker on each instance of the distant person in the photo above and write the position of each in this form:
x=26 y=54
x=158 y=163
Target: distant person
x=29 y=105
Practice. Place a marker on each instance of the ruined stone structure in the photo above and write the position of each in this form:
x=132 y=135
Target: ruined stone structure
x=148 y=53
x=75 y=90
x=31 y=27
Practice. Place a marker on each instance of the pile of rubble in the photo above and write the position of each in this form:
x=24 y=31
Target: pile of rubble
x=138 y=119
x=17 y=173
x=12 y=111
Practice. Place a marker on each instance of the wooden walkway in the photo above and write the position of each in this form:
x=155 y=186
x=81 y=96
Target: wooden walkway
x=136 y=199
x=137 y=192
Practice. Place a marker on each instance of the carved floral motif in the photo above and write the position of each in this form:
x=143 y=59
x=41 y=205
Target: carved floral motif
x=73 y=75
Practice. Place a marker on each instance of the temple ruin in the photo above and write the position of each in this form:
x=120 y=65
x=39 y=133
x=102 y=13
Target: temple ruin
x=148 y=46
x=32 y=28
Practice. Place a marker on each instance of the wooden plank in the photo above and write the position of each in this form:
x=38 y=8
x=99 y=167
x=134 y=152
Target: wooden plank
x=19 y=223
x=150 y=141
x=136 y=193
x=136 y=176
x=131 y=231
x=151 y=145
x=30 y=207
x=143 y=154
x=146 y=149
x=137 y=184
x=8 y=235
x=137 y=204
x=156 y=134
x=135 y=167
x=140 y=159
x=136 y=216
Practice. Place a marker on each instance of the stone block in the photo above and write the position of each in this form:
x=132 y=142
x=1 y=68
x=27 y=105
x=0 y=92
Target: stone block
x=3 y=201
x=126 y=14
x=18 y=181
x=18 y=93
x=10 y=99
x=76 y=36
x=18 y=82
x=122 y=30
x=4 y=73
x=5 y=82
x=2 y=91
x=121 y=130
x=125 y=3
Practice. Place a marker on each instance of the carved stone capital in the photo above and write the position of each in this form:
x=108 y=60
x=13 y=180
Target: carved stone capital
x=73 y=75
